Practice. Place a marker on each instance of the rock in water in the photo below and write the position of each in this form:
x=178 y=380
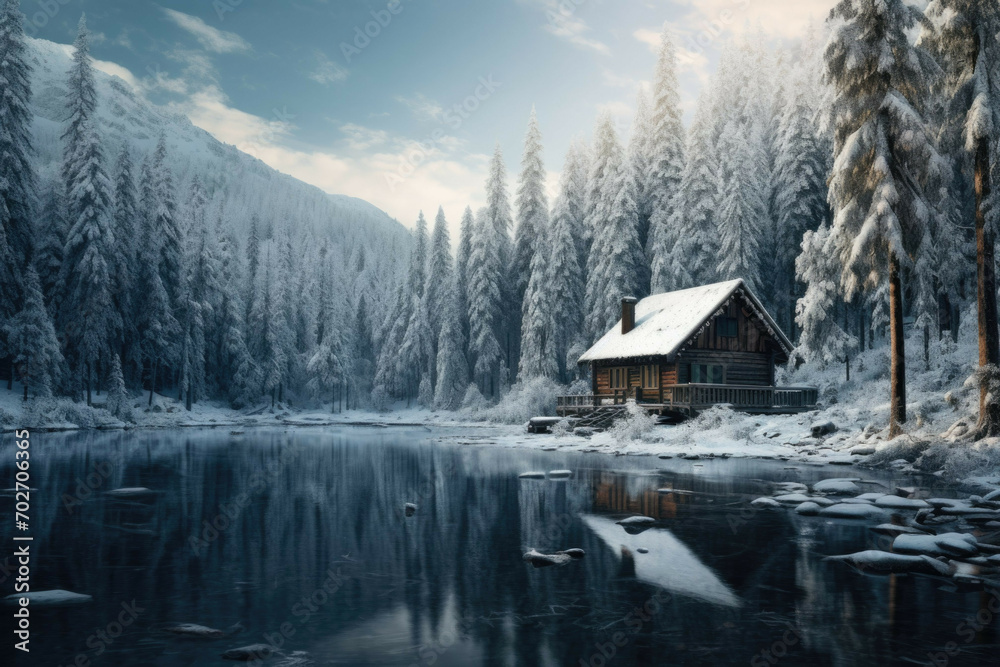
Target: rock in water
x=808 y=508
x=895 y=502
x=881 y=562
x=893 y=530
x=539 y=559
x=248 y=653
x=766 y=503
x=409 y=509
x=195 y=630
x=560 y=474
x=823 y=428
x=636 y=524
x=131 y=492
x=840 y=485
x=642 y=550
x=531 y=475
x=53 y=598
x=855 y=511
x=945 y=544
x=574 y=552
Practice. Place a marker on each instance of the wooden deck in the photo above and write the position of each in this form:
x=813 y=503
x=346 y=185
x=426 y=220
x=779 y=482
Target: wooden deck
x=690 y=399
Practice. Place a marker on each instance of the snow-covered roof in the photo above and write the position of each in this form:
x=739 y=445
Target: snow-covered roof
x=666 y=323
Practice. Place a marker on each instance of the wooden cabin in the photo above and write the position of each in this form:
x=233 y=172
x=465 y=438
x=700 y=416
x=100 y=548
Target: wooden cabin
x=681 y=352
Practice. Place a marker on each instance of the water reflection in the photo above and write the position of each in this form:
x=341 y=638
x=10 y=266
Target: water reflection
x=302 y=538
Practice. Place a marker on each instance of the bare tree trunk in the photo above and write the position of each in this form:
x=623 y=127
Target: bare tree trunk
x=187 y=397
x=90 y=401
x=986 y=300
x=927 y=347
x=10 y=378
x=847 y=363
x=897 y=375
x=152 y=383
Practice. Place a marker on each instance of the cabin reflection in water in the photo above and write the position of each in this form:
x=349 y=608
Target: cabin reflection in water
x=611 y=494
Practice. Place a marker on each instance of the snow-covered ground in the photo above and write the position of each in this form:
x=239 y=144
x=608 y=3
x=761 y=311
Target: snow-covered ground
x=850 y=426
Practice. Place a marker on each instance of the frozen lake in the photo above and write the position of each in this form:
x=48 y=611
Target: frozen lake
x=311 y=549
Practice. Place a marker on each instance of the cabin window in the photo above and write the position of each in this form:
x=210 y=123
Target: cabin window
x=650 y=374
x=706 y=374
x=726 y=327
x=619 y=377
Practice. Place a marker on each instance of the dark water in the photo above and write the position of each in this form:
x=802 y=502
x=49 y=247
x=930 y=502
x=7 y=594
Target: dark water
x=311 y=551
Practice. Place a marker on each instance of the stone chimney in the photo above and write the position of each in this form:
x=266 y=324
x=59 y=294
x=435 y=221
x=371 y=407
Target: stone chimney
x=628 y=313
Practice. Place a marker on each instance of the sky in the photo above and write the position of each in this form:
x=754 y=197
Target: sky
x=401 y=102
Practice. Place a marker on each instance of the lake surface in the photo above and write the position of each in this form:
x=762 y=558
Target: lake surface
x=311 y=550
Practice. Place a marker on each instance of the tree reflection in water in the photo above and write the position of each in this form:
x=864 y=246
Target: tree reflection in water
x=312 y=549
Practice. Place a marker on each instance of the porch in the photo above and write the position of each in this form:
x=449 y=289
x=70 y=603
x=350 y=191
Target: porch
x=690 y=399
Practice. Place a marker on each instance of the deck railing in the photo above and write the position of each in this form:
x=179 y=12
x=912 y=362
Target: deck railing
x=688 y=397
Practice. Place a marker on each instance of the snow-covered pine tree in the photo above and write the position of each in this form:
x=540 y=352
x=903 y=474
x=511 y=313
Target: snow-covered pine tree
x=415 y=355
x=605 y=160
x=885 y=162
x=573 y=189
x=485 y=303
x=490 y=298
x=968 y=44
x=390 y=382
x=199 y=291
x=31 y=340
x=538 y=357
x=126 y=269
x=156 y=322
x=640 y=152
x=239 y=374
x=616 y=258
x=462 y=254
x=440 y=274
x=452 y=366
x=363 y=350
x=268 y=327
x=50 y=234
x=565 y=280
x=89 y=317
x=822 y=340
x=119 y=401
x=166 y=224
x=743 y=214
x=689 y=257
x=667 y=164
x=17 y=176
x=326 y=367
x=253 y=264
x=801 y=168
x=532 y=218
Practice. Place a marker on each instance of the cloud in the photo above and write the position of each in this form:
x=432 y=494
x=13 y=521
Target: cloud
x=398 y=174
x=327 y=71
x=112 y=69
x=561 y=20
x=650 y=38
x=707 y=19
x=421 y=106
x=211 y=39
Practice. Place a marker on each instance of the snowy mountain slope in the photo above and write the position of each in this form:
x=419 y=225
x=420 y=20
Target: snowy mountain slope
x=237 y=183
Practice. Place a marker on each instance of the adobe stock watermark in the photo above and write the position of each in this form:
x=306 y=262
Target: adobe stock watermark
x=101 y=639
x=87 y=486
x=47 y=10
x=778 y=649
x=364 y=34
x=634 y=621
x=302 y=611
x=230 y=512
x=223 y=7
x=453 y=117
x=967 y=630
